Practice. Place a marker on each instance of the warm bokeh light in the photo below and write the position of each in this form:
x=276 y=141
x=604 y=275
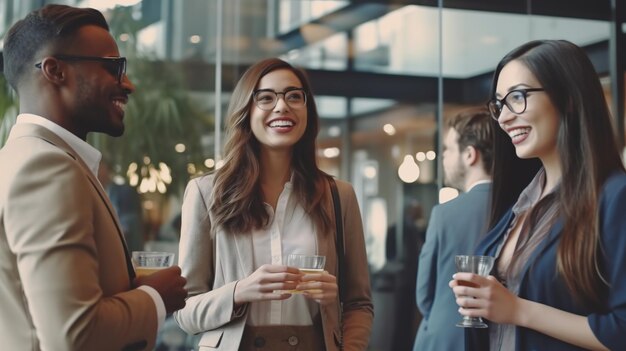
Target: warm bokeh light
x=420 y=156
x=191 y=168
x=195 y=39
x=370 y=172
x=408 y=171
x=153 y=179
x=431 y=155
x=331 y=152
x=389 y=129
x=446 y=194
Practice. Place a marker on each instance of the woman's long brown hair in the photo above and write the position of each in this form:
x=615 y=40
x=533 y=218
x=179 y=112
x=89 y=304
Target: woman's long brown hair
x=588 y=153
x=237 y=199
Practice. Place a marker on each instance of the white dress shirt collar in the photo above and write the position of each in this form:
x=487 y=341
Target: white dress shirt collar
x=90 y=155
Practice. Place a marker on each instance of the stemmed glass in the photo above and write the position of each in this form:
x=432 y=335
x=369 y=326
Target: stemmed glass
x=480 y=265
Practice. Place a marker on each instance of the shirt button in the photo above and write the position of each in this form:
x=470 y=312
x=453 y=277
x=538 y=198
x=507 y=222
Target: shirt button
x=293 y=340
x=259 y=341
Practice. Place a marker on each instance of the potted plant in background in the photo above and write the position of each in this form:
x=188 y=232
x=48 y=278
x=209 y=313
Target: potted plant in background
x=8 y=109
x=161 y=147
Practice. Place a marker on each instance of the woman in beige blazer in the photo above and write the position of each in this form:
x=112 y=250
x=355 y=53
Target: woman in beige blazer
x=269 y=200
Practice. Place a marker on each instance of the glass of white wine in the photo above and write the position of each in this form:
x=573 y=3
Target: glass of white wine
x=148 y=262
x=480 y=265
x=307 y=264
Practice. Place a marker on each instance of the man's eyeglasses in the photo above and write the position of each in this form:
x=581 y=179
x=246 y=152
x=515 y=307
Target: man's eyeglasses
x=116 y=66
x=266 y=99
x=515 y=101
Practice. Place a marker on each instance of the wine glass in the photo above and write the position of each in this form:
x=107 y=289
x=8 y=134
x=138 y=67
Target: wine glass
x=480 y=265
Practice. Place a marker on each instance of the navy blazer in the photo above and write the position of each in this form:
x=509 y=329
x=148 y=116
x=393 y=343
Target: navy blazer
x=541 y=283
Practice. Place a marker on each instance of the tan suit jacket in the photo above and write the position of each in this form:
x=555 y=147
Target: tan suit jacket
x=212 y=266
x=64 y=274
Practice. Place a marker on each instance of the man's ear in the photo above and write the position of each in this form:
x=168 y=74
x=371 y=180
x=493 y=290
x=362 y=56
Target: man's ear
x=54 y=70
x=470 y=156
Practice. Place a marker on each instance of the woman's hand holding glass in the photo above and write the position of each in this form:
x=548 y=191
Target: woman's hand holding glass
x=485 y=297
x=269 y=282
x=316 y=283
x=321 y=287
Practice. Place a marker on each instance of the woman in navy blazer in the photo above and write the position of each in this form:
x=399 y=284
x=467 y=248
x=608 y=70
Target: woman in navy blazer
x=558 y=229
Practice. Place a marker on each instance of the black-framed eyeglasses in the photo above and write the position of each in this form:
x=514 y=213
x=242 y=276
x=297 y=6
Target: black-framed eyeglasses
x=114 y=65
x=515 y=101
x=266 y=99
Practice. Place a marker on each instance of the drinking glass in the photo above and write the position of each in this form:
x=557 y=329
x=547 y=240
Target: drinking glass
x=307 y=264
x=148 y=262
x=480 y=265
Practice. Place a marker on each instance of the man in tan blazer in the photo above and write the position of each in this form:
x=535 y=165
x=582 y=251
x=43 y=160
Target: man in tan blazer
x=66 y=281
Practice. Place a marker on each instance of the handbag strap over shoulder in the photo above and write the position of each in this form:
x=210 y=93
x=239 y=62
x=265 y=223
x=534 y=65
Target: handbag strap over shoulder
x=339 y=237
x=340 y=253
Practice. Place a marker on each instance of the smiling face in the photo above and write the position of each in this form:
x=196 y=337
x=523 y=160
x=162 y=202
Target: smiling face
x=281 y=127
x=534 y=131
x=96 y=100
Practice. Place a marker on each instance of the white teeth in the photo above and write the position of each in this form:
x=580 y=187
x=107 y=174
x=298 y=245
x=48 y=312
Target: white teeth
x=119 y=104
x=281 y=123
x=519 y=131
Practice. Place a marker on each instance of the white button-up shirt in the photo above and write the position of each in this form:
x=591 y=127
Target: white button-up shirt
x=290 y=231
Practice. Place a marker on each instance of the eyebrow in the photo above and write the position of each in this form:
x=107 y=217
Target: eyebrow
x=515 y=87
x=286 y=89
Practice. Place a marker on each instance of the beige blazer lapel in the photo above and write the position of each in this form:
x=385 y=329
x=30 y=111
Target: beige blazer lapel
x=33 y=130
x=244 y=246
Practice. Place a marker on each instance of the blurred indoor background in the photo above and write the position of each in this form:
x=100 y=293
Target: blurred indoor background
x=386 y=75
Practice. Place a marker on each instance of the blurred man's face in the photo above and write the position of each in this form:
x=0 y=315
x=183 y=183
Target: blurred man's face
x=453 y=166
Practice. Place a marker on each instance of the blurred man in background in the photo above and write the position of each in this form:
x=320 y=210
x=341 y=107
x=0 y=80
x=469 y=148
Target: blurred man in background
x=454 y=228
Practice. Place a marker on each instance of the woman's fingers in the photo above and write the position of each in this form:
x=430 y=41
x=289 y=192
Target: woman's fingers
x=277 y=282
x=320 y=277
x=274 y=268
x=484 y=297
x=268 y=282
x=469 y=302
x=319 y=287
x=473 y=279
x=323 y=281
x=322 y=296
